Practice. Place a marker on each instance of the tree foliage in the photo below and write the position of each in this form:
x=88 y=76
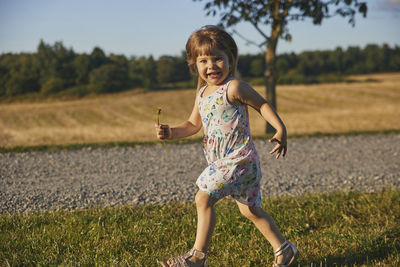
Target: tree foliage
x=278 y=13
x=315 y=66
x=172 y=69
x=108 y=78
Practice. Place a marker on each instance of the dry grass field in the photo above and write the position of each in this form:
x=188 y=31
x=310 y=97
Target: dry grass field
x=369 y=103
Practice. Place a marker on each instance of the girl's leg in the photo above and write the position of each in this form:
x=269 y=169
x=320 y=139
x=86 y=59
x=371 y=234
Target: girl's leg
x=205 y=223
x=205 y=220
x=266 y=225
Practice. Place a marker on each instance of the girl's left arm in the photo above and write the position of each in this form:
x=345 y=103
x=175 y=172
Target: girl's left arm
x=242 y=92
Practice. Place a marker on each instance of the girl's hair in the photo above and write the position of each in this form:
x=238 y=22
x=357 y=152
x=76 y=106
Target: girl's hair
x=202 y=41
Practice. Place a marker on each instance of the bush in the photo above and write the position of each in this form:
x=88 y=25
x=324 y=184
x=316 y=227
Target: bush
x=52 y=86
x=78 y=91
x=19 y=84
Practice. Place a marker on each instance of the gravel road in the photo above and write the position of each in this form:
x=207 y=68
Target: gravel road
x=148 y=174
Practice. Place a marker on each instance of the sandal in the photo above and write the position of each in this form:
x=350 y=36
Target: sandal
x=285 y=246
x=183 y=260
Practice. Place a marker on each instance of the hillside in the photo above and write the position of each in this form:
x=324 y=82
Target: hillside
x=369 y=103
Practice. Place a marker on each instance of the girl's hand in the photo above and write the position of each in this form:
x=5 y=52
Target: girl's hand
x=281 y=146
x=163 y=131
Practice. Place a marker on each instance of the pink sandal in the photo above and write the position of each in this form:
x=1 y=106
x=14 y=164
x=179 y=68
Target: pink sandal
x=183 y=260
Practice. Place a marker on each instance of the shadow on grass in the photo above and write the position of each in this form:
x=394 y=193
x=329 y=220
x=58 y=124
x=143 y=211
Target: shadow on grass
x=356 y=258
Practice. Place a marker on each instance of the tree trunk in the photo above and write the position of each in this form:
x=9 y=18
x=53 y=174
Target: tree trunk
x=271 y=77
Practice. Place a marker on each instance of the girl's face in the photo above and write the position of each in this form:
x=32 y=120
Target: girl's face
x=214 y=68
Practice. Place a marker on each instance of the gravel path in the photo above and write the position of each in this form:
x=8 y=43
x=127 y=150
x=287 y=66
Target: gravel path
x=148 y=174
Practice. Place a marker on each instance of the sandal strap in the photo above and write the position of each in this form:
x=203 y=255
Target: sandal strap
x=181 y=261
x=284 y=247
x=197 y=253
x=279 y=251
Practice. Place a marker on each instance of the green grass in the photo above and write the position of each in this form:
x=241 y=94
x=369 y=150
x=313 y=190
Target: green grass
x=336 y=229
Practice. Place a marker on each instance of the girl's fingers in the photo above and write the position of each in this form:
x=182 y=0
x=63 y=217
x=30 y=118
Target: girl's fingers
x=279 y=153
x=281 y=150
x=274 y=140
x=275 y=149
x=162 y=131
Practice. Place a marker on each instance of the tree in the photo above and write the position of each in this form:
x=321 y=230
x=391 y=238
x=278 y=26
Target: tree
x=276 y=14
x=172 y=69
x=336 y=57
x=108 y=78
x=98 y=58
x=373 y=58
x=244 y=64
x=52 y=86
x=46 y=59
x=148 y=67
x=353 y=60
x=166 y=69
x=56 y=61
x=134 y=72
x=394 y=59
x=22 y=76
x=256 y=67
x=81 y=65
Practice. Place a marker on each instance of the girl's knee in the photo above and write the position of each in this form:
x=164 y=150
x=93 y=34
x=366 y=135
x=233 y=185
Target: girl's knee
x=203 y=199
x=250 y=213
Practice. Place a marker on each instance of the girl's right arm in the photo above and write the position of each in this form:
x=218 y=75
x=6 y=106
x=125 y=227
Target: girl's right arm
x=187 y=128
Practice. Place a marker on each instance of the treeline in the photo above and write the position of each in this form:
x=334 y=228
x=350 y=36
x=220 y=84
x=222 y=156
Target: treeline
x=55 y=69
x=325 y=66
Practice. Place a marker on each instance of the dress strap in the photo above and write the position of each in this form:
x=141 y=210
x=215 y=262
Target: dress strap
x=202 y=90
x=228 y=82
x=225 y=89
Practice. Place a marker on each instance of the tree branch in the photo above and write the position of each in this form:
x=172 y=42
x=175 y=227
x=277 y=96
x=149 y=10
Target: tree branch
x=250 y=42
x=286 y=10
x=259 y=30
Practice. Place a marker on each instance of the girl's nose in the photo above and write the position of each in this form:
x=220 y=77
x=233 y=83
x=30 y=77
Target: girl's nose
x=211 y=64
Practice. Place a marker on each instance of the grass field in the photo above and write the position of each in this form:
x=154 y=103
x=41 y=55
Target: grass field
x=368 y=103
x=336 y=229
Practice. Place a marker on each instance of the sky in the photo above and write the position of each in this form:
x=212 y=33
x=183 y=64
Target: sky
x=162 y=27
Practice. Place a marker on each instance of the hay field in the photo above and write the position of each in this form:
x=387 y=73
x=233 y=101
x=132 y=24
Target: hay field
x=370 y=103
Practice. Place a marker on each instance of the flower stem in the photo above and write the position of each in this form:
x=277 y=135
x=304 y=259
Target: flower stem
x=158 y=123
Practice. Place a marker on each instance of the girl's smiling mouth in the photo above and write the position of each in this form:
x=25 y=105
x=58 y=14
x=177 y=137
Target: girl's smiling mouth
x=214 y=74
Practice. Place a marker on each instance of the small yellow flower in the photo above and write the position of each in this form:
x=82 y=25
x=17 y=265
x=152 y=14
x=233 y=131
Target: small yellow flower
x=158 y=114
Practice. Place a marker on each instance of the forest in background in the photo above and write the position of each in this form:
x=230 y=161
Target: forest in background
x=57 y=70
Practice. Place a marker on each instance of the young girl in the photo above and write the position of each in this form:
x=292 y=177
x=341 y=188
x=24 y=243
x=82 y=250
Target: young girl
x=233 y=165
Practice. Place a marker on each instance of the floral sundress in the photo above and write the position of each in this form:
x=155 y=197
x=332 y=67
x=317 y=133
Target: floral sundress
x=233 y=164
